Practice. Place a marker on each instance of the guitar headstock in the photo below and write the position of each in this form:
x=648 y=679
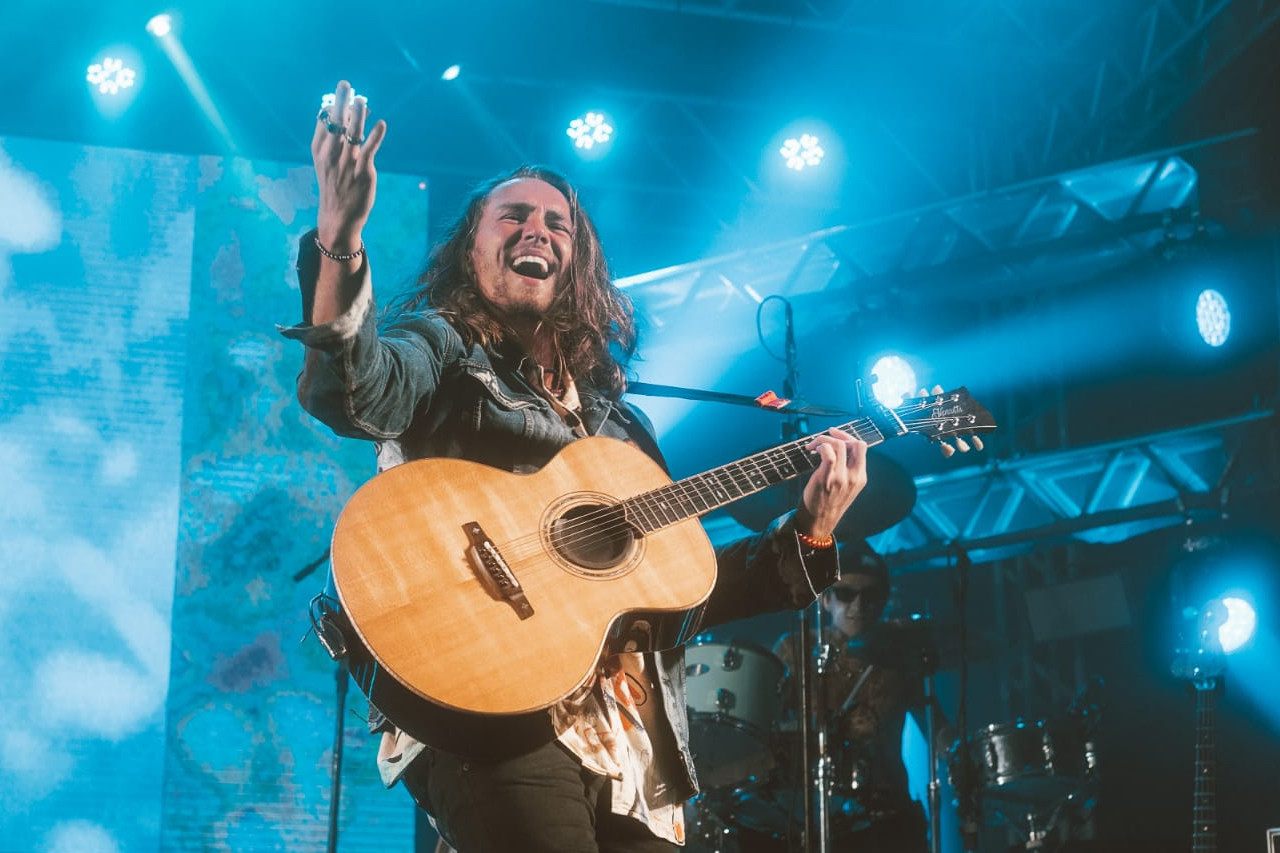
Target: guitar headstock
x=1204 y=661
x=947 y=416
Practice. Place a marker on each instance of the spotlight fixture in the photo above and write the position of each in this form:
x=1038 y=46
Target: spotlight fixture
x=451 y=73
x=160 y=25
x=1213 y=317
x=1240 y=623
x=802 y=152
x=110 y=76
x=894 y=378
x=590 y=130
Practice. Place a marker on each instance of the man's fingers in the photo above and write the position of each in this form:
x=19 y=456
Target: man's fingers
x=354 y=124
x=373 y=141
x=341 y=103
x=857 y=452
x=317 y=138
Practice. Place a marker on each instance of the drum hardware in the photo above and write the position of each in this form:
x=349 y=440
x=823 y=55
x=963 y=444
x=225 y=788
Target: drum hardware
x=708 y=833
x=734 y=698
x=1029 y=773
x=822 y=761
x=1037 y=827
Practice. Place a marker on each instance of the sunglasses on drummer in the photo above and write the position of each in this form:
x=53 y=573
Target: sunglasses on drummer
x=850 y=594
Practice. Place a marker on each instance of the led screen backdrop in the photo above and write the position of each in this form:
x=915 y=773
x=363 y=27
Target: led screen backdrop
x=161 y=490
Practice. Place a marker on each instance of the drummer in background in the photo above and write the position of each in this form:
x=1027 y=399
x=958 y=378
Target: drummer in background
x=870 y=686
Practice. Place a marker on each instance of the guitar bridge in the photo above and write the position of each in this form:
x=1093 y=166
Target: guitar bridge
x=493 y=570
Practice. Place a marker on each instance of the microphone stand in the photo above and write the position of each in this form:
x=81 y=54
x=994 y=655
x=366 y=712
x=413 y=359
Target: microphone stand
x=330 y=638
x=335 y=793
x=816 y=833
x=929 y=660
x=968 y=804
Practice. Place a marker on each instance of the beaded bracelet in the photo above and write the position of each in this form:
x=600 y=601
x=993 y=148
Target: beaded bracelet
x=822 y=544
x=336 y=257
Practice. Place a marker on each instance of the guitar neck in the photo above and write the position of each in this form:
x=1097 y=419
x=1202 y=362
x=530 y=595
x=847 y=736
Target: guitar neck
x=1204 y=833
x=700 y=494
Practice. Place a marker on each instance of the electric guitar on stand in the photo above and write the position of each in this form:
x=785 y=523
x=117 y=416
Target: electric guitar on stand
x=1203 y=666
x=471 y=595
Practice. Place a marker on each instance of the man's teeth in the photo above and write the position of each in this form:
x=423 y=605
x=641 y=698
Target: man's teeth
x=530 y=265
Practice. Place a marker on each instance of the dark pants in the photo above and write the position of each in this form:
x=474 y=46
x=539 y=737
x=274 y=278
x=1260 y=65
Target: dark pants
x=541 y=802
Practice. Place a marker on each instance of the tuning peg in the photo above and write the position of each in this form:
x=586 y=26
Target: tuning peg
x=962 y=445
x=947 y=450
x=937 y=389
x=977 y=442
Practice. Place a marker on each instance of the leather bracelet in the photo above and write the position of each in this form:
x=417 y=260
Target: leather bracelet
x=336 y=257
x=823 y=544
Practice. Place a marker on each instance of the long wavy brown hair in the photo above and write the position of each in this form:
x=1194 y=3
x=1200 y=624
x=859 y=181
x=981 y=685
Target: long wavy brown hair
x=591 y=320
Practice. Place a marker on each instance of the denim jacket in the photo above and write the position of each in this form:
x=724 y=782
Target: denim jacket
x=416 y=390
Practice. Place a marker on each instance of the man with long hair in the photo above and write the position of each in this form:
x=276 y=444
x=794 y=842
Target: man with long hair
x=512 y=346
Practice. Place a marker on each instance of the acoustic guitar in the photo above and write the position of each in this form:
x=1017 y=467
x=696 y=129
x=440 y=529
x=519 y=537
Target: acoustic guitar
x=473 y=596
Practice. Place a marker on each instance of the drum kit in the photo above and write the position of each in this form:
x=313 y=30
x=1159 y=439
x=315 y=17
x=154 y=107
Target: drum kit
x=1022 y=773
x=767 y=773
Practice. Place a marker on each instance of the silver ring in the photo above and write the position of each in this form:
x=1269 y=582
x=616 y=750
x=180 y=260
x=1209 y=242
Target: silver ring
x=356 y=142
x=323 y=116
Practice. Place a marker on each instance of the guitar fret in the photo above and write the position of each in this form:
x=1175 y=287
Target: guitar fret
x=755 y=475
x=716 y=489
x=654 y=510
x=663 y=507
x=733 y=479
x=687 y=502
x=637 y=510
x=699 y=495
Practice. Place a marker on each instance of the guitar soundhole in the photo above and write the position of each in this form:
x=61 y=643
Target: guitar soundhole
x=593 y=536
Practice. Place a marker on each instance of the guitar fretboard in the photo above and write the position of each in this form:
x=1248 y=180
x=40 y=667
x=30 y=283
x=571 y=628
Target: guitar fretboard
x=1204 y=834
x=698 y=495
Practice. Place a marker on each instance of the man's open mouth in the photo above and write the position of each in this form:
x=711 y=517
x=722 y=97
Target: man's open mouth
x=532 y=265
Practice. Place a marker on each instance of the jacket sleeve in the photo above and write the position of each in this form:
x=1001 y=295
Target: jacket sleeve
x=767 y=572
x=359 y=381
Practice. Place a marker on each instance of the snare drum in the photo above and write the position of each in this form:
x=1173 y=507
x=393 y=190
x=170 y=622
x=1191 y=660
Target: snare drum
x=1031 y=760
x=734 y=696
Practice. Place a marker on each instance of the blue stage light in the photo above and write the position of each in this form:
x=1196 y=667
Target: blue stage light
x=1242 y=621
x=1213 y=317
x=592 y=134
x=451 y=73
x=802 y=152
x=160 y=25
x=110 y=75
x=590 y=131
x=894 y=377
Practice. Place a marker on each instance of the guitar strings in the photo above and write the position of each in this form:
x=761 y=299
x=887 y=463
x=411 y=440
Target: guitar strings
x=588 y=529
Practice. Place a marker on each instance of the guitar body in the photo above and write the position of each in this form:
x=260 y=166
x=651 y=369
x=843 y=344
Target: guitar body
x=427 y=618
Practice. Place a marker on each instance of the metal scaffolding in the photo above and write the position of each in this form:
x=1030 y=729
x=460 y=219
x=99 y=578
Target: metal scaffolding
x=1101 y=494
